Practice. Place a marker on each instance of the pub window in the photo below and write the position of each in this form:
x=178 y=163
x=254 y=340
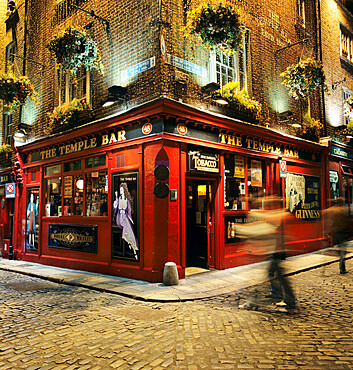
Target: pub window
x=97 y=161
x=234 y=182
x=226 y=68
x=72 y=191
x=72 y=166
x=256 y=183
x=53 y=170
x=97 y=194
x=53 y=198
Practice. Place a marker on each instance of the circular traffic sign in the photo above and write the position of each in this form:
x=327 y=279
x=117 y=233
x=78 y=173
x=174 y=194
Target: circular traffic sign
x=10 y=188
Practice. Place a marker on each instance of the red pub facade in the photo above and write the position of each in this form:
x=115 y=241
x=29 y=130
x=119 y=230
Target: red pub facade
x=163 y=182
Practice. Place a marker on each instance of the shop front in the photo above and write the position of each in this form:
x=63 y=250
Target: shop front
x=7 y=195
x=341 y=174
x=165 y=182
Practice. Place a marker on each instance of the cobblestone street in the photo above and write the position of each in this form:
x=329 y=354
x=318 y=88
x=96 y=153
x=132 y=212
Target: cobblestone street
x=45 y=325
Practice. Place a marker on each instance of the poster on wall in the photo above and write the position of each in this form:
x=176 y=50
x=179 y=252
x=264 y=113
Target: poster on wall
x=239 y=168
x=125 y=216
x=303 y=196
x=256 y=173
x=32 y=219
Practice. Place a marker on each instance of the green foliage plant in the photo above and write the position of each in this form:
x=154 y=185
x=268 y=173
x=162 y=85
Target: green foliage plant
x=303 y=78
x=5 y=148
x=67 y=113
x=73 y=49
x=217 y=25
x=311 y=128
x=240 y=98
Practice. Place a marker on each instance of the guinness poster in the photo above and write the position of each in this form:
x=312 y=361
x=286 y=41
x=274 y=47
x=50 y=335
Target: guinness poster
x=303 y=196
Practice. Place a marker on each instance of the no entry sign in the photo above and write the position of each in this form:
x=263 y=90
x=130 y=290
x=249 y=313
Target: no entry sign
x=282 y=168
x=10 y=190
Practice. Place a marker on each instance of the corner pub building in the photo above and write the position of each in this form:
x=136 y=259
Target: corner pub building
x=163 y=182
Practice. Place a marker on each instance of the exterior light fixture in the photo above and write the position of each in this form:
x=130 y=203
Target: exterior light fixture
x=23 y=131
x=211 y=89
x=296 y=125
x=116 y=93
x=11 y=5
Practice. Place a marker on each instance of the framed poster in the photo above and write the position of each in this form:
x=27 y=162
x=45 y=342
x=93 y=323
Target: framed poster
x=303 y=196
x=32 y=219
x=125 y=243
x=256 y=173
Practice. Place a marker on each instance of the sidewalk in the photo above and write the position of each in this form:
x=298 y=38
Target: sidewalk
x=198 y=286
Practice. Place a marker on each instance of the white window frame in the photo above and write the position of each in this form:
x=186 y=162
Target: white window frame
x=346 y=93
x=230 y=71
x=65 y=94
x=346 y=44
x=8 y=128
x=301 y=13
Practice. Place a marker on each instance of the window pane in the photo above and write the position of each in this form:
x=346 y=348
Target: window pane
x=53 y=170
x=234 y=182
x=256 y=183
x=96 y=194
x=73 y=195
x=95 y=161
x=72 y=166
x=53 y=197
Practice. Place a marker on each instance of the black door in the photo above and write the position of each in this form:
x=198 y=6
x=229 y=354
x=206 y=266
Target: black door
x=198 y=219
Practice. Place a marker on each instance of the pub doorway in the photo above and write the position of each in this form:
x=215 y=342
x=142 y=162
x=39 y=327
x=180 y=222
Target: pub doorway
x=199 y=222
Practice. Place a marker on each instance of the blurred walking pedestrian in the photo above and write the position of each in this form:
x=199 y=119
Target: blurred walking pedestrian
x=339 y=225
x=274 y=217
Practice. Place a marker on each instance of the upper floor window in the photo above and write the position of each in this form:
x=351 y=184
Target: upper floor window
x=301 y=12
x=10 y=52
x=346 y=94
x=7 y=119
x=346 y=44
x=70 y=88
x=226 y=68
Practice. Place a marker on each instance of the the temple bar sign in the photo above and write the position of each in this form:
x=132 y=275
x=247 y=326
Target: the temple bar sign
x=203 y=162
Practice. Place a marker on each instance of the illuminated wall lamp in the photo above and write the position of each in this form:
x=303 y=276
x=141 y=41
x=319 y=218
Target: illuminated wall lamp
x=116 y=93
x=211 y=89
x=296 y=125
x=79 y=184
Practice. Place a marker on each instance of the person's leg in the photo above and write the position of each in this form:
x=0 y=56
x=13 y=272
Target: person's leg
x=342 y=264
x=289 y=298
x=276 y=291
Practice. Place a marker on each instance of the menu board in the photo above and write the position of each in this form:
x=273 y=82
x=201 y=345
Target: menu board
x=67 y=186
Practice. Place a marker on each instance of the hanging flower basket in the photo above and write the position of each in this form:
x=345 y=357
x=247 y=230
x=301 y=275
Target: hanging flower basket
x=217 y=25
x=240 y=99
x=311 y=128
x=14 y=91
x=303 y=78
x=74 y=49
x=67 y=114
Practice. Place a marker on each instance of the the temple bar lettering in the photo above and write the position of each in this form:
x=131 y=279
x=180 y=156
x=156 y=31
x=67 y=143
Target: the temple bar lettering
x=93 y=142
x=255 y=144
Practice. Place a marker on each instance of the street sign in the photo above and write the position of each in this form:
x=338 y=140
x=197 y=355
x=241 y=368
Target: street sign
x=282 y=168
x=10 y=190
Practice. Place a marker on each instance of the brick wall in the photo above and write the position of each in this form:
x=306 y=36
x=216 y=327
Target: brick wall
x=134 y=36
x=333 y=15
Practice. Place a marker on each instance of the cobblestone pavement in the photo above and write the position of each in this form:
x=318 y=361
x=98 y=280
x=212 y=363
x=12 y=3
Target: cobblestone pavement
x=44 y=325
